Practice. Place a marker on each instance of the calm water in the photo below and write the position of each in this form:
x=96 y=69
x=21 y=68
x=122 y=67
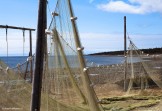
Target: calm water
x=105 y=60
x=12 y=61
x=102 y=60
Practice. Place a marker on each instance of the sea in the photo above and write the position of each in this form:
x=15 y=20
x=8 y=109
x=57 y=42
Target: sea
x=12 y=61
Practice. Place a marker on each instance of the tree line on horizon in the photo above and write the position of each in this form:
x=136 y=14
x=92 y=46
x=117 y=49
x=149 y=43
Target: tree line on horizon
x=146 y=51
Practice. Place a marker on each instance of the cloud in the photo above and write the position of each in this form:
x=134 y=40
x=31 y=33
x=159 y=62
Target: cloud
x=132 y=6
x=103 y=42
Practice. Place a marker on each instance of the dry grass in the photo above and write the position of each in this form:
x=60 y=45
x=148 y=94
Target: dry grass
x=118 y=100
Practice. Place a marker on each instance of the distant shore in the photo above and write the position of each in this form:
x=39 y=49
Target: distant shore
x=149 y=51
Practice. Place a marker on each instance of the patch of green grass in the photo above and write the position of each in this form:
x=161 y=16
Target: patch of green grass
x=148 y=103
x=128 y=103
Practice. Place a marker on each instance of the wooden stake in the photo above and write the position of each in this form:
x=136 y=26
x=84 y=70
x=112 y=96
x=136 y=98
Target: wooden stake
x=39 y=58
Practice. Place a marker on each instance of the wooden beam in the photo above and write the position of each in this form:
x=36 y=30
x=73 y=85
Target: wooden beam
x=14 y=27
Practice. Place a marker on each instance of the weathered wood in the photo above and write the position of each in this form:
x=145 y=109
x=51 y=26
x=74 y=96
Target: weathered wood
x=125 y=55
x=30 y=55
x=14 y=27
x=39 y=58
x=26 y=70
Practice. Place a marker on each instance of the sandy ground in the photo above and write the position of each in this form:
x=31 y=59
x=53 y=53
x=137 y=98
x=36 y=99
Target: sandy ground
x=125 y=103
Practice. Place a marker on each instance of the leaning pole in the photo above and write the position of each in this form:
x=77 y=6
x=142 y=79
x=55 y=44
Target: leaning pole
x=91 y=97
x=40 y=45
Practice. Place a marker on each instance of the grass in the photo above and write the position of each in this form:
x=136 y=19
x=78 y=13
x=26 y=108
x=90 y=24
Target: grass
x=128 y=103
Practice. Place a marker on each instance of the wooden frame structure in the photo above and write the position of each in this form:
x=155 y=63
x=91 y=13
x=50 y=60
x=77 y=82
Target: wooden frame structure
x=30 y=44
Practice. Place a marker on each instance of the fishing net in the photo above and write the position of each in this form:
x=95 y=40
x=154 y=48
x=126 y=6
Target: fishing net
x=107 y=79
x=64 y=76
x=63 y=87
x=15 y=90
x=143 y=69
x=15 y=79
x=63 y=79
x=143 y=81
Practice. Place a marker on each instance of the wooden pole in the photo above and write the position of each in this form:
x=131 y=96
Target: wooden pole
x=38 y=71
x=30 y=55
x=26 y=70
x=92 y=100
x=125 y=55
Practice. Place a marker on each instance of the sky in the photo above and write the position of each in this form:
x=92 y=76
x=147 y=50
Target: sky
x=100 y=23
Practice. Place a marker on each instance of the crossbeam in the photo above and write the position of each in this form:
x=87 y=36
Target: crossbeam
x=14 y=27
x=30 y=43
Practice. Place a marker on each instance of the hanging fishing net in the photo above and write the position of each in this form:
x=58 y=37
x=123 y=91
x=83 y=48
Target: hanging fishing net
x=15 y=90
x=15 y=72
x=144 y=70
x=64 y=83
x=143 y=81
x=63 y=79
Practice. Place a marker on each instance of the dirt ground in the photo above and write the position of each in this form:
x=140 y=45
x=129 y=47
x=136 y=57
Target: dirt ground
x=136 y=100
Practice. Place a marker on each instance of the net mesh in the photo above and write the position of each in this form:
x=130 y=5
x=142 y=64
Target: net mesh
x=62 y=84
x=15 y=90
x=15 y=80
x=65 y=84
x=145 y=70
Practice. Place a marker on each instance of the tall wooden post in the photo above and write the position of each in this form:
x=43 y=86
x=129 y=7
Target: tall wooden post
x=125 y=55
x=92 y=100
x=30 y=55
x=38 y=71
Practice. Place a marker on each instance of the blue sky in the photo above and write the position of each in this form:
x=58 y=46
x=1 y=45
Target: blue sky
x=100 y=23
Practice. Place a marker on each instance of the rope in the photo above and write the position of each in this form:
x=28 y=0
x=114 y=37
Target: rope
x=23 y=40
x=7 y=42
x=49 y=9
